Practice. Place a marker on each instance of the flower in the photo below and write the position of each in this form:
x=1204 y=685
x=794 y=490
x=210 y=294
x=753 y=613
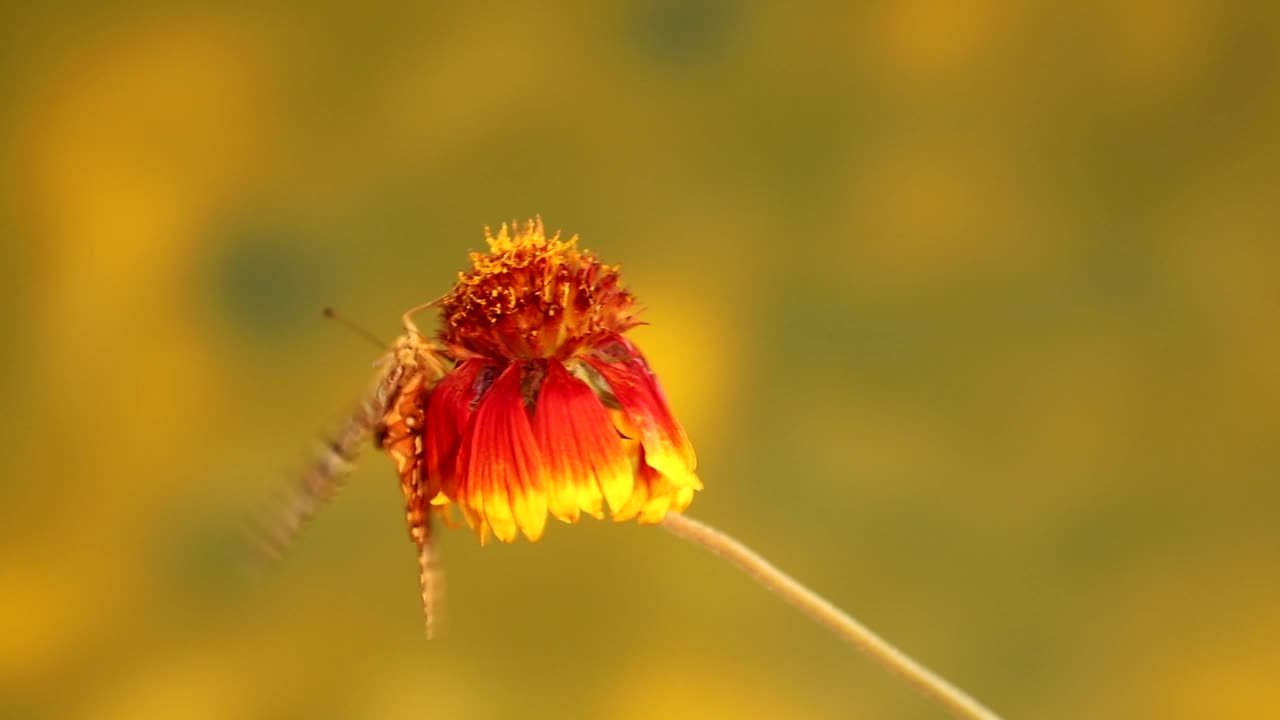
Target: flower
x=532 y=401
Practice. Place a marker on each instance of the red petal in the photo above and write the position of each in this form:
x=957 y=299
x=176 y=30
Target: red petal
x=581 y=449
x=654 y=495
x=499 y=467
x=447 y=415
x=666 y=447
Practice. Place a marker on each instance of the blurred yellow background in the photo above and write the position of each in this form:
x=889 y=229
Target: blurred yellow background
x=971 y=310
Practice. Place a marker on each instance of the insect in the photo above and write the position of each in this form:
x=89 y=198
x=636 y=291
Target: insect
x=393 y=415
x=529 y=404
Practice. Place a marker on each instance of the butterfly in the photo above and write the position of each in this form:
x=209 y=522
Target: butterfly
x=391 y=415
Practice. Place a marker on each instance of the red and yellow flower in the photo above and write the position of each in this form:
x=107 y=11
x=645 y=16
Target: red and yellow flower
x=533 y=401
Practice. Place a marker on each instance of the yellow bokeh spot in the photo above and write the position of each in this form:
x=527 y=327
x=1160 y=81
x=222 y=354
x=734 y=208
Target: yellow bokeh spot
x=689 y=349
x=929 y=41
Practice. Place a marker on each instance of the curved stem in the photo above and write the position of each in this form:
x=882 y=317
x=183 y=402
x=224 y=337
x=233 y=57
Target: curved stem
x=815 y=606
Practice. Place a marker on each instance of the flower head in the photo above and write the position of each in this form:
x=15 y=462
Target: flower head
x=533 y=402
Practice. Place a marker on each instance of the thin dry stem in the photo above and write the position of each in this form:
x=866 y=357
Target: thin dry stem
x=958 y=702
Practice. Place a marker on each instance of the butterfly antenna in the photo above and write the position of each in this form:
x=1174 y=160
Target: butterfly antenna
x=407 y=318
x=333 y=315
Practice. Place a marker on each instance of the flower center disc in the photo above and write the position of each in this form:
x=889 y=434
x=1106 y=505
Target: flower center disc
x=534 y=297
